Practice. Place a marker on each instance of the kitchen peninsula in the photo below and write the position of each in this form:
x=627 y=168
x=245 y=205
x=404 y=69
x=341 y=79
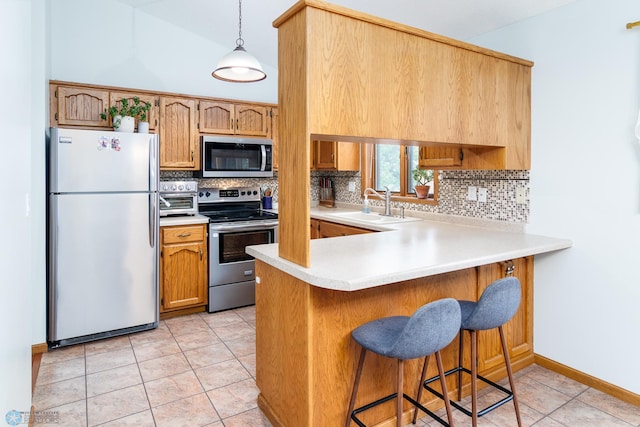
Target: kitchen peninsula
x=306 y=359
x=348 y=76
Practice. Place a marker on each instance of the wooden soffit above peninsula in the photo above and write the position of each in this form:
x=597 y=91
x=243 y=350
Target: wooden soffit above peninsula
x=348 y=76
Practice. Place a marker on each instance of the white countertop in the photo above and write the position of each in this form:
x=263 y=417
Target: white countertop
x=404 y=251
x=183 y=220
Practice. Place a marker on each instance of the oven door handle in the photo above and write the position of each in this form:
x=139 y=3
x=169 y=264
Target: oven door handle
x=261 y=225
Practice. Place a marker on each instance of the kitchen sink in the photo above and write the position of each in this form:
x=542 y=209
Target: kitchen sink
x=373 y=218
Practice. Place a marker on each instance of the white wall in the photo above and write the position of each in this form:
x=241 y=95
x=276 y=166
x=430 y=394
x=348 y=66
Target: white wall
x=111 y=43
x=585 y=182
x=16 y=125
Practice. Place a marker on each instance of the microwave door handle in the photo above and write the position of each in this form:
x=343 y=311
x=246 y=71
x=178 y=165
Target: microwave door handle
x=263 y=150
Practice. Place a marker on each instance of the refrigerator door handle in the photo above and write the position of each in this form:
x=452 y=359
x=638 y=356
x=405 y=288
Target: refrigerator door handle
x=152 y=218
x=153 y=165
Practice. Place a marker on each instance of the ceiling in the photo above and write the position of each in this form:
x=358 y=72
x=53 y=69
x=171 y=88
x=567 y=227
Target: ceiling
x=217 y=20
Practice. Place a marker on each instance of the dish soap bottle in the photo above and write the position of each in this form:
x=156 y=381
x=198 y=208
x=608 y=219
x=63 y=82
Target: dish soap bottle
x=365 y=206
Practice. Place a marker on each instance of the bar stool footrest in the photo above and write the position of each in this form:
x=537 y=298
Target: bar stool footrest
x=356 y=411
x=459 y=407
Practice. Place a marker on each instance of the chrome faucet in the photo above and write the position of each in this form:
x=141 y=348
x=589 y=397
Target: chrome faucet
x=386 y=198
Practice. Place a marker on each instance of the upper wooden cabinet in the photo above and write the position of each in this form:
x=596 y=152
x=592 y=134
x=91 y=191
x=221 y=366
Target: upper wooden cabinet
x=78 y=106
x=436 y=90
x=339 y=156
x=178 y=134
x=442 y=156
x=273 y=135
x=152 y=117
x=234 y=119
x=174 y=117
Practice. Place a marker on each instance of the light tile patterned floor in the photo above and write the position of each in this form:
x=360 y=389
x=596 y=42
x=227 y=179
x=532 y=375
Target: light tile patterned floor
x=199 y=370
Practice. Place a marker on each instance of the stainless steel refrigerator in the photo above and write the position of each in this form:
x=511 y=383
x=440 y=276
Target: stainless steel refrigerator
x=102 y=234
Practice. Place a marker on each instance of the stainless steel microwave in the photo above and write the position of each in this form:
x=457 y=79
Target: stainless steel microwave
x=232 y=157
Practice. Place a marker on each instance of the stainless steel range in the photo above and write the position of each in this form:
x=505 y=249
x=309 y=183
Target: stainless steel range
x=235 y=222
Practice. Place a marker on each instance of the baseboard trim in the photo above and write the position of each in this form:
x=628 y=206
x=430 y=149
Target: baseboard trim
x=39 y=348
x=591 y=381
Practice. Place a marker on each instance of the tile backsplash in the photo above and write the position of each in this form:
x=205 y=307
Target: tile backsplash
x=501 y=204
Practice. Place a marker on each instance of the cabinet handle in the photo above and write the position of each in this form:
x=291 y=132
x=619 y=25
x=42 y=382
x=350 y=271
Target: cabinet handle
x=184 y=235
x=192 y=155
x=236 y=123
x=509 y=268
x=200 y=254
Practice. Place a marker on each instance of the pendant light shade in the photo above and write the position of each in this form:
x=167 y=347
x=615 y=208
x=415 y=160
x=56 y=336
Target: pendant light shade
x=239 y=65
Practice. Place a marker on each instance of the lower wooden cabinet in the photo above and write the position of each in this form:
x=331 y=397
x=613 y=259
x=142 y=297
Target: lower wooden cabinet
x=183 y=267
x=322 y=229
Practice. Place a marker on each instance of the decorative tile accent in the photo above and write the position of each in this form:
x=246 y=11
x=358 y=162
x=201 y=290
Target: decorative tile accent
x=452 y=198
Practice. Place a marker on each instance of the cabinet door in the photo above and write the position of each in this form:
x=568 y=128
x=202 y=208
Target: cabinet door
x=326 y=155
x=217 y=117
x=183 y=269
x=178 y=134
x=81 y=106
x=273 y=134
x=183 y=275
x=440 y=156
x=315 y=228
x=332 y=229
x=115 y=99
x=251 y=120
x=517 y=331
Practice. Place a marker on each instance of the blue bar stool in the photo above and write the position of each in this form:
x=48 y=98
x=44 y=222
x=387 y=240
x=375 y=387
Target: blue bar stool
x=431 y=328
x=497 y=305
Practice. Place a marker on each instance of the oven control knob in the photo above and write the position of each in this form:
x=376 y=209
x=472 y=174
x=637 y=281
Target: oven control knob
x=180 y=187
x=165 y=187
x=200 y=194
x=207 y=194
x=242 y=193
x=255 y=192
x=173 y=187
x=187 y=187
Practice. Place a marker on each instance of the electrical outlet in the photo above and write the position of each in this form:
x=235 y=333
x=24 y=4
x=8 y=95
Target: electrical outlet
x=352 y=186
x=472 y=193
x=482 y=195
x=521 y=195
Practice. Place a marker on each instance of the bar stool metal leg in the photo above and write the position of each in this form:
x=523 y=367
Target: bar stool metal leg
x=399 y=391
x=445 y=391
x=356 y=383
x=507 y=361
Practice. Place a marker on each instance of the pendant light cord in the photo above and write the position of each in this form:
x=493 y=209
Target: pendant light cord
x=239 y=42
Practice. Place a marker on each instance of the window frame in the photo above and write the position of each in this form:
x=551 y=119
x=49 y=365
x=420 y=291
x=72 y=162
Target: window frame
x=367 y=174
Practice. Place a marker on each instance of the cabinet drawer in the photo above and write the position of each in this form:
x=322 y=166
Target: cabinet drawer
x=181 y=234
x=331 y=229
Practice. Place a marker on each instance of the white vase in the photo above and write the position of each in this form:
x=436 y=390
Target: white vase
x=143 y=127
x=127 y=124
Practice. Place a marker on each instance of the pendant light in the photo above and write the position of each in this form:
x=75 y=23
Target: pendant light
x=239 y=65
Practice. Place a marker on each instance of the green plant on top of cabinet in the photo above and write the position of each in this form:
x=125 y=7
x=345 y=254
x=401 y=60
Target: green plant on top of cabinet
x=234 y=119
x=147 y=103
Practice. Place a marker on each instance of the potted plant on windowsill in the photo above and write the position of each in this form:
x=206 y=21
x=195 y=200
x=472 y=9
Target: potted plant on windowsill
x=422 y=177
x=123 y=118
